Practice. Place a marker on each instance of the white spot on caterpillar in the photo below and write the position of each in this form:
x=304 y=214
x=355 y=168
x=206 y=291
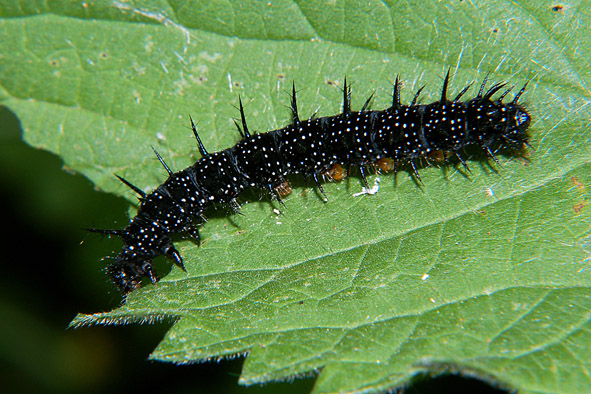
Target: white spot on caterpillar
x=425 y=277
x=373 y=190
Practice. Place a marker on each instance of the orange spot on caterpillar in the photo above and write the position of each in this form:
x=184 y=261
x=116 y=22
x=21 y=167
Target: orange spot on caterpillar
x=283 y=189
x=385 y=165
x=437 y=156
x=336 y=173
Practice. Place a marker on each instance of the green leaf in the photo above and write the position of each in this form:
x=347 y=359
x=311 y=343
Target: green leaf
x=486 y=274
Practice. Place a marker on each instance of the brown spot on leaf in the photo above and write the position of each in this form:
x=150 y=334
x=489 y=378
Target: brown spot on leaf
x=579 y=207
x=578 y=184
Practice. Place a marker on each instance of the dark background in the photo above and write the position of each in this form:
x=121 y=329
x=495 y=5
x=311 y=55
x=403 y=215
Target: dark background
x=51 y=270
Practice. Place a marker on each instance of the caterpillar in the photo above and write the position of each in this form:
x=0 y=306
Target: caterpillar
x=398 y=135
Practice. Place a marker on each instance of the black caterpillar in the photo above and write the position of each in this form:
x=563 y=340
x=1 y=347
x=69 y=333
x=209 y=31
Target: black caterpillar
x=318 y=146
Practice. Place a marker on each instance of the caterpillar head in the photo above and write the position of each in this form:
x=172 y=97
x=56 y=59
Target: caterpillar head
x=517 y=123
x=127 y=276
x=494 y=122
